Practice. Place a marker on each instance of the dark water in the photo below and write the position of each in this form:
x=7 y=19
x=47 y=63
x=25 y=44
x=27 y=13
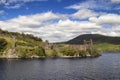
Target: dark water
x=105 y=67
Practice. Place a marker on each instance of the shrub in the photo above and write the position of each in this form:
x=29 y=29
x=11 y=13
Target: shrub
x=82 y=53
x=22 y=43
x=93 y=52
x=3 y=44
x=26 y=52
x=68 y=52
x=54 y=53
x=39 y=51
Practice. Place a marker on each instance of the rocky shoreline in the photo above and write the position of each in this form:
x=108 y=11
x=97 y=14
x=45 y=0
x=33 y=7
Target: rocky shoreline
x=41 y=57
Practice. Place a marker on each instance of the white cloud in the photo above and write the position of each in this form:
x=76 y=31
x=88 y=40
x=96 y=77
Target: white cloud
x=93 y=4
x=2 y=11
x=65 y=29
x=106 y=32
x=27 y=21
x=115 y=1
x=59 y=27
x=90 y=4
x=15 y=1
x=112 y=19
x=84 y=13
x=15 y=4
x=57 y=31
x=59 y=0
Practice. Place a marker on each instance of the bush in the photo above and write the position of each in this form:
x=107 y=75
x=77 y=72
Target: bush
x=22 y=43
x=82 y=53
x=68 y=52
x=23 y=55
x=54 y=53
x=3 y=44
x=93 y=52
x=26 y=52
x=39 y=51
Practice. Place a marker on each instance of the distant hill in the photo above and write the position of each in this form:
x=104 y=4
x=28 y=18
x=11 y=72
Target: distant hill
x=97 y=38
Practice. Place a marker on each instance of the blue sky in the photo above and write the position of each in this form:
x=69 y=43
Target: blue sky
x=61 y=20
x=36 y=6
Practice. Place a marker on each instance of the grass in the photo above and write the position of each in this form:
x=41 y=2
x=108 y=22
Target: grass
x=23 y=48
x=10 y=44
x=106 y=47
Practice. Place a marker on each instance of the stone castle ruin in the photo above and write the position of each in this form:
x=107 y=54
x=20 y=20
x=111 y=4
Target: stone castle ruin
x=88 y=44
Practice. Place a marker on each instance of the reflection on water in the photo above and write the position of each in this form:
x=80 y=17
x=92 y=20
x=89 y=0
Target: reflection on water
x=105 y=67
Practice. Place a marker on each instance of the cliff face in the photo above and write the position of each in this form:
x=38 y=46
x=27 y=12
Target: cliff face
x=9 y=54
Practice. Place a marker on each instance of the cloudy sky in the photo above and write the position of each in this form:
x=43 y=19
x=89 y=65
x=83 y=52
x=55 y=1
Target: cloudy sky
x=61 y=20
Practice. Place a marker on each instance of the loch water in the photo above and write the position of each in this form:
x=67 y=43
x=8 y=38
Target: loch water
x=105 y=67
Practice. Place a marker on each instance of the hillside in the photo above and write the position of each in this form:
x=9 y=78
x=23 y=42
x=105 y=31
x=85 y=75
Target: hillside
x=102 y=43
x=96 y=39
x=16 y=45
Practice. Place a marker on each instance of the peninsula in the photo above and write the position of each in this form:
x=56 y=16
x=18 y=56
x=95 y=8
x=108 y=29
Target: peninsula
x=19 y=45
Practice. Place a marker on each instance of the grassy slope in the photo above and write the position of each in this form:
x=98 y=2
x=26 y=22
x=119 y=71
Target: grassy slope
x=22 y=46
x=107 y=47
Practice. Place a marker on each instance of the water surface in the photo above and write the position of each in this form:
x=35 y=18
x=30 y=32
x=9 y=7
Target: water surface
x=105 y=67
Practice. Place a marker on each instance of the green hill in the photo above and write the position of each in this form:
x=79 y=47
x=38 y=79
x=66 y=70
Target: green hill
x=16 y=45
x=97 y=38
x=101 y=42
